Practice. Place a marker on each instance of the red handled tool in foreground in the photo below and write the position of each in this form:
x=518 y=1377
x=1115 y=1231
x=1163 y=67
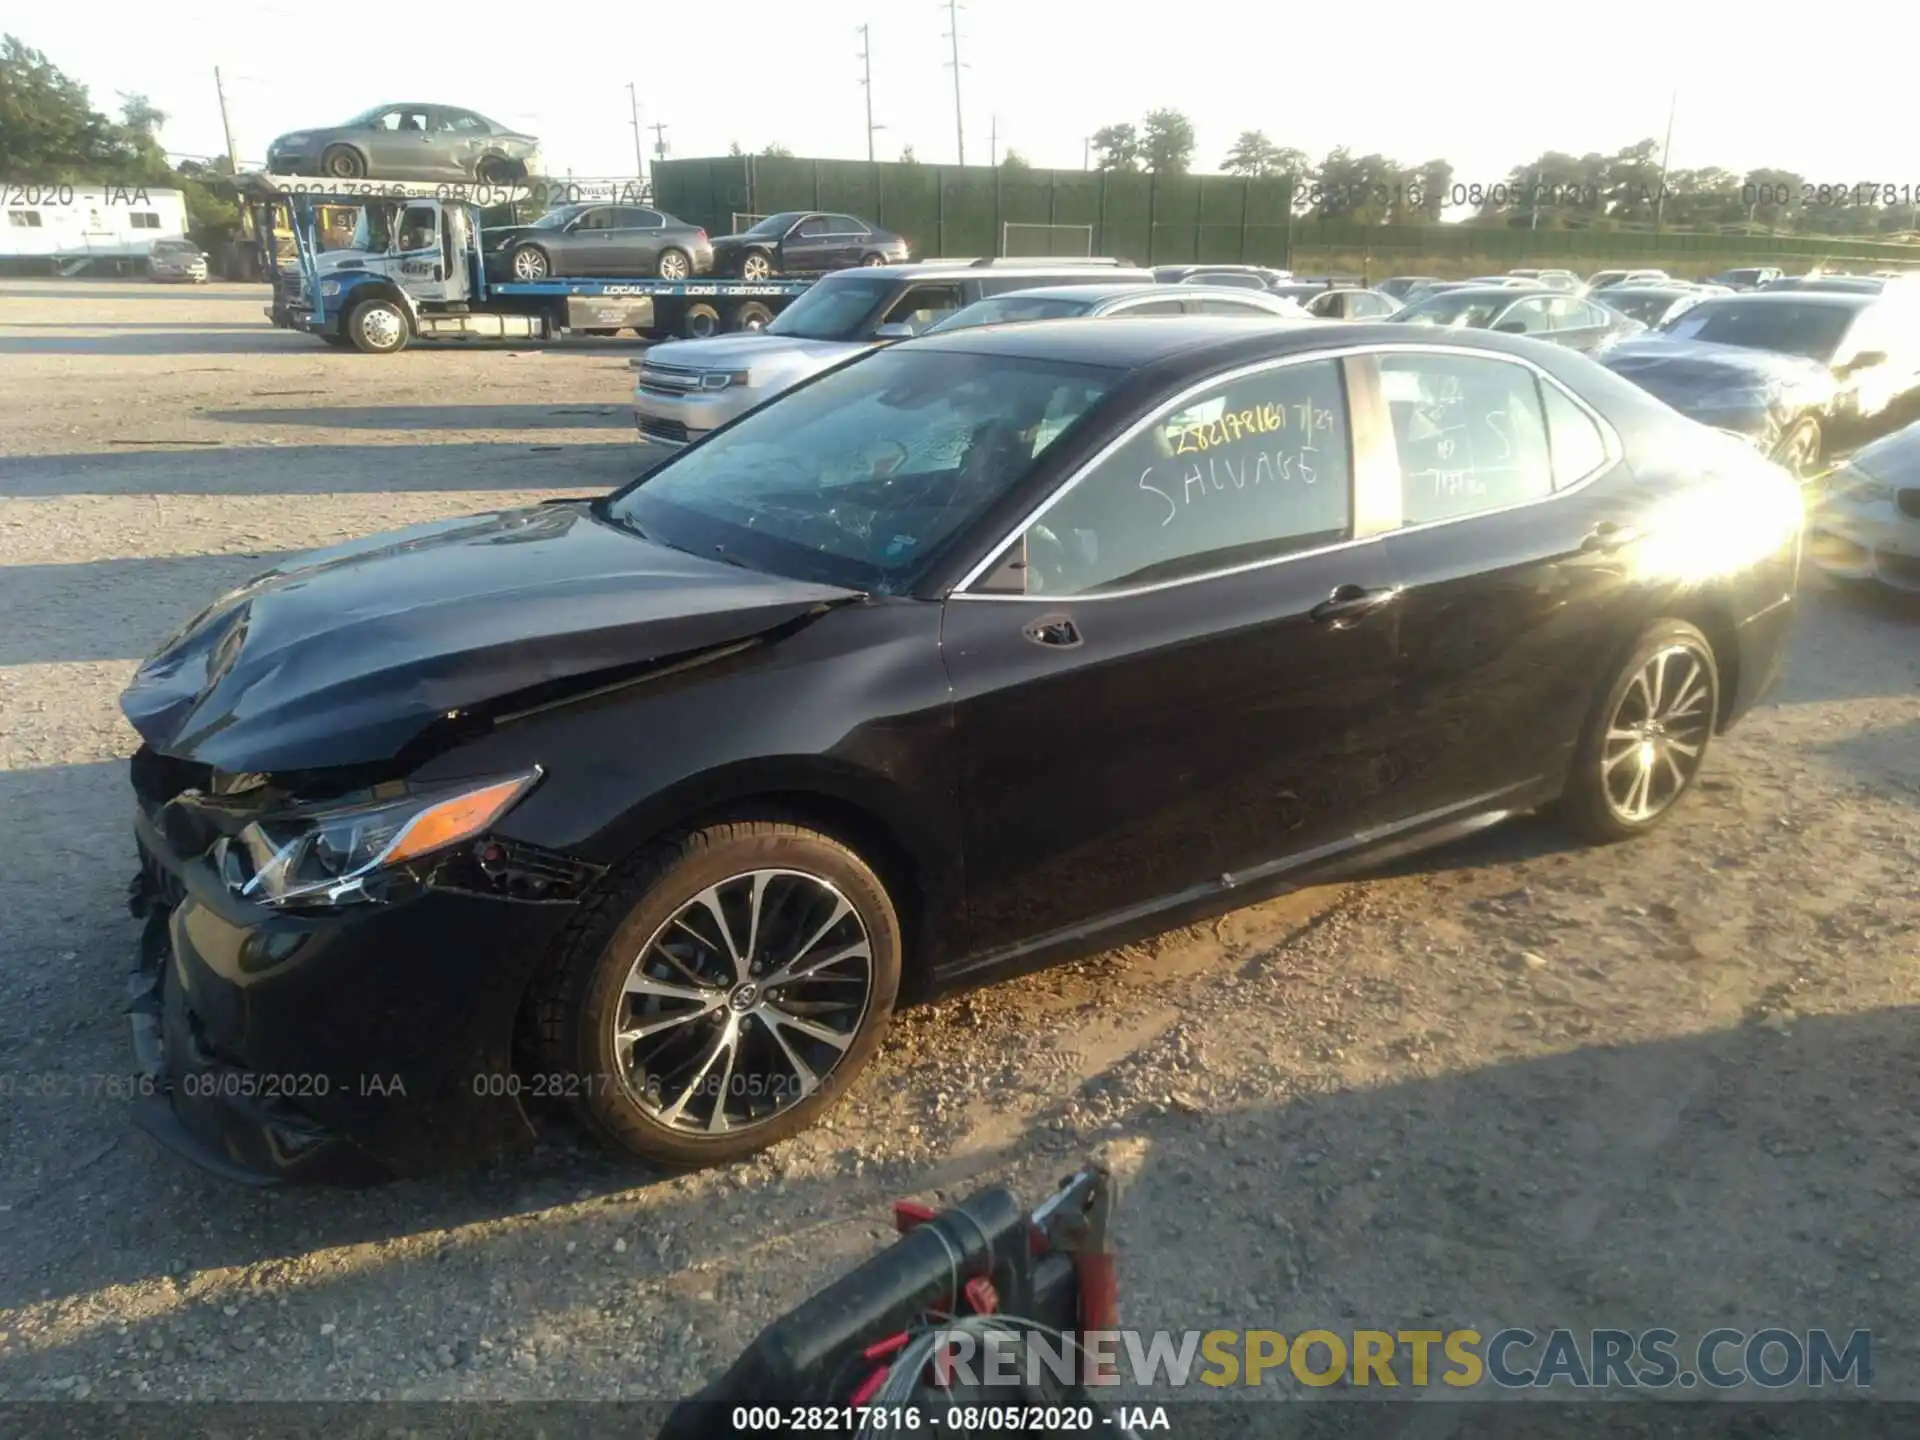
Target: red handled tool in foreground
x=986 y=1268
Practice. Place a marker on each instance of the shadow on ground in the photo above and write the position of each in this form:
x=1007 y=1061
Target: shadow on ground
x=438 y=417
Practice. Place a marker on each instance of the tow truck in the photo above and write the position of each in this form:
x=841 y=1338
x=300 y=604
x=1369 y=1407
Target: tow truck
x=414 y=267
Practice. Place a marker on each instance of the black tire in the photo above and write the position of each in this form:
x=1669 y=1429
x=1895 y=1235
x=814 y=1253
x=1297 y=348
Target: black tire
x=378 y=327
x=1799 y=450
x=588 y=996
x=1592 y=805
x=750 y=315
x=529 y=262
x=343 y=162
x=873 y=257
x=673 y=263
x=699 y=320
x=498 y=170
x=757 y=265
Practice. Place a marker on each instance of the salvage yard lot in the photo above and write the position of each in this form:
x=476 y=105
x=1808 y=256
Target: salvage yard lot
x=1515 y=1082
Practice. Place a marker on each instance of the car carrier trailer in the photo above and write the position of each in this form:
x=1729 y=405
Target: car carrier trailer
x=414 y=267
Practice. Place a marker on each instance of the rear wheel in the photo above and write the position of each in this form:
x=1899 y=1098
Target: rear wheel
x=699 y=321
x=752 y=315
x=875 y=258
x=378 y=327
x=343 y=162
x=756 y=265
x=1647 y=737
x=673 y=265
x=726 y=994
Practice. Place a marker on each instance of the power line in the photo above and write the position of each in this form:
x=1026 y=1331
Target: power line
x=953 y=35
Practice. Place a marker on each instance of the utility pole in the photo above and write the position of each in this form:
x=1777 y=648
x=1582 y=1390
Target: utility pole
x=993 y=142
x=1660 y=200
x=866 y=83
x=233 y=160
x=1086 y=152
x=659 y=140
x=639 y=154
x=1535 y=223
x=953 y=34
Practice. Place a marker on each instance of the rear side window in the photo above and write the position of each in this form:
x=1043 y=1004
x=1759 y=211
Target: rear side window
x=1469 y=432
x=1577 y=445
x=1255 y=468
x=1211 y=305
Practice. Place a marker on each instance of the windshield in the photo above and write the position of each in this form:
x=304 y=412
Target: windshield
x=775 y=224
x=175 y=247
x=832 y=309
x=1010 y=309
x=1814 y=331
x=1456 y=309
x=367 y=117
x=859 y=478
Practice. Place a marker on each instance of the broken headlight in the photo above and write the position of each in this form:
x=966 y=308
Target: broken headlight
x=336 y=854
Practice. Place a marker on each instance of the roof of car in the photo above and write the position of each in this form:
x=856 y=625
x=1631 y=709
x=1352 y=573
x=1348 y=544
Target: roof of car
x=1126 y=290
x=1122 y=343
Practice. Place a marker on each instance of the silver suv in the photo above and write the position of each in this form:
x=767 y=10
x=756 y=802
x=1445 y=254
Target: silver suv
x=687 y=388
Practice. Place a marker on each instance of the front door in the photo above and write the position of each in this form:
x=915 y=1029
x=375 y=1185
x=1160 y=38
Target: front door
x=808 y=246
x=1182 y=668
x=420 y=254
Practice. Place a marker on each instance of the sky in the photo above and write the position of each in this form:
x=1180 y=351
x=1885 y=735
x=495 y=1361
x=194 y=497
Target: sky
x=1756 y=85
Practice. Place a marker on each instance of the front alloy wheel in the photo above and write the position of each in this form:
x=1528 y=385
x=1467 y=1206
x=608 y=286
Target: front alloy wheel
x=756 y=265
x=745 y=984
x=530 y=263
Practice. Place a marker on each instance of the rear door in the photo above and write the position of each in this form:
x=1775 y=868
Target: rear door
x=633 y=245
x=588 y=246
x=847 y=241
x=1180 y=667
x=1500 y=541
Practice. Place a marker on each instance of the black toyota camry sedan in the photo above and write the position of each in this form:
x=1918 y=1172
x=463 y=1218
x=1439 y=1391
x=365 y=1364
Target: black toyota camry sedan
x=981 y=651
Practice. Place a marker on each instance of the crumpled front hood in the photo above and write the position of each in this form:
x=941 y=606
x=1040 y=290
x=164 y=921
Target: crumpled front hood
x=342 y=656
x=753 y=353
x=1706 y=374
x=1709 y=383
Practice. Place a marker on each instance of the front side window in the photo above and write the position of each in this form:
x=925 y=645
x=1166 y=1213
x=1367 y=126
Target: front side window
x=1253 y=468
x=598 y=218
x=1469 y=433
x=860 y=477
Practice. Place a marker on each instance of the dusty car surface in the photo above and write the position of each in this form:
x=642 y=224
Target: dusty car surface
x=409 y=142
x=975 y=652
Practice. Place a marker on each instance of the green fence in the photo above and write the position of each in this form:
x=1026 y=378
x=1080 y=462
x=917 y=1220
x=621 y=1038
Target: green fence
x=951 y=210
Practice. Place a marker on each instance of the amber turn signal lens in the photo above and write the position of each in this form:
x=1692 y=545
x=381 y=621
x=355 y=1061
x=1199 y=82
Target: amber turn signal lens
x=456 y=819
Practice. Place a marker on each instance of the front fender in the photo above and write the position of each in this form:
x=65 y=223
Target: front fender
x=365 y=286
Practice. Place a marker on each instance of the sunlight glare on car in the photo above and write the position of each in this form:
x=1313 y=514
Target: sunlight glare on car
x=1750 y=508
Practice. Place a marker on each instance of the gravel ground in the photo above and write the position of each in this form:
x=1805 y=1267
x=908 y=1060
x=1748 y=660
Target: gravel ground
x=1671 y=1083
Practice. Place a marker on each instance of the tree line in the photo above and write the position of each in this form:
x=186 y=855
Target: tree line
x=51 y=133
x=1554 y=190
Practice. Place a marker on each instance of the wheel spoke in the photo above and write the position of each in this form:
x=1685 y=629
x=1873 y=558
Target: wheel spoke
x=794 y=970
x=706 y=997
x=840 y=912
x=723 y=1042
x=803 y=1072
x=777 y=1017
x=1692 y=752
x=709 y=900
x=1673 y=769
x=640 y=1032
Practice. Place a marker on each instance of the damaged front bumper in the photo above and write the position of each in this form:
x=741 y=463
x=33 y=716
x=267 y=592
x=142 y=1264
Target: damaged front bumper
x=343 y=1048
